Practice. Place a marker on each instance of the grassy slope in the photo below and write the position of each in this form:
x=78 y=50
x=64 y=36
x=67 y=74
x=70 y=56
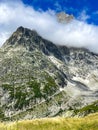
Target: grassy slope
x=87 y=123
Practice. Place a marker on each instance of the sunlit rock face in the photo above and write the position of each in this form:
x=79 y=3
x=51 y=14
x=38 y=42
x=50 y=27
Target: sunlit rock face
x=41 y=79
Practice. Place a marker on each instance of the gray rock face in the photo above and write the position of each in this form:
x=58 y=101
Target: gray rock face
x=40 y=79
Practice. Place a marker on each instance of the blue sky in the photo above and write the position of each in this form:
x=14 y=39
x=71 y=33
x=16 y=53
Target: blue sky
x=75 y=7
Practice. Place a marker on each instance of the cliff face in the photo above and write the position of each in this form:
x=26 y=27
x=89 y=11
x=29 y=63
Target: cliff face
x=40 y=79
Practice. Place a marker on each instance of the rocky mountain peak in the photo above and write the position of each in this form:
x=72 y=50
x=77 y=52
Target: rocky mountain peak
x=20 y=29
x=31 y=40
x=64 y=17
x=26 y=31
x=21 y=36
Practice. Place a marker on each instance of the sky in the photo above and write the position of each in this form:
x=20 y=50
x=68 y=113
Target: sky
x=40 y=15
x=75 y=7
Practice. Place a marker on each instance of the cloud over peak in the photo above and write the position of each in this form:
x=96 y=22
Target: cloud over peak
x=76 y=33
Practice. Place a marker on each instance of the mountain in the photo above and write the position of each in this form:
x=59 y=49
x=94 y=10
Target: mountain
x=41 y=79
x=64 y=18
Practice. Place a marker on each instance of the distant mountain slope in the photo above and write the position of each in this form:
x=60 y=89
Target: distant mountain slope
x=40 y=79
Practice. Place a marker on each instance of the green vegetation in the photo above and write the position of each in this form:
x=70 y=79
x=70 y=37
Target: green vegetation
x=87 y=123
x=1 y=114
x=30 y=96
x=92 y=108
x=50 y=87
x=30 y=91
x=42 y=109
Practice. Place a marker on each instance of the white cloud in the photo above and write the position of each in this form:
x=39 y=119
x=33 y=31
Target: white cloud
x=76 y=33
x=83 y=16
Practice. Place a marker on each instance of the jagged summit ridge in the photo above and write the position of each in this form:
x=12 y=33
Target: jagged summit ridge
x=26 y=31
x=31 y=40
x=19 y=34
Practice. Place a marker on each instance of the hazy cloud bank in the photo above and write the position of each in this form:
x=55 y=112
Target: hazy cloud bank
x=77 y=33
